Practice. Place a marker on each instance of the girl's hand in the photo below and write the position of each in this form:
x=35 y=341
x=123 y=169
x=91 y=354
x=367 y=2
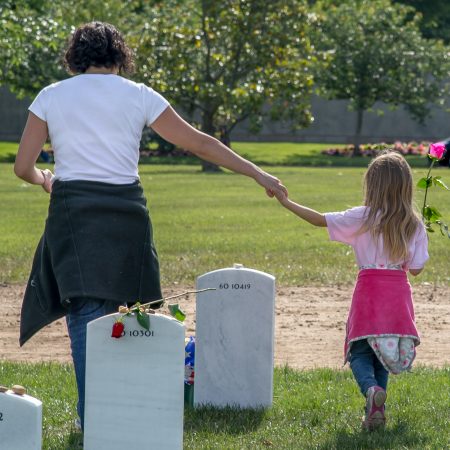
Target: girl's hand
x=47 y=183
x=272 y=185
x=282 y=198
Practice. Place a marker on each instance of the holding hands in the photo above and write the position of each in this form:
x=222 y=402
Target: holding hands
x=272 y=185
x=310 y=215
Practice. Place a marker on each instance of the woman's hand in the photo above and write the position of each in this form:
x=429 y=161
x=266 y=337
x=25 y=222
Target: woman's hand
x=272 y=185
x=48 y=180
x=33 y=138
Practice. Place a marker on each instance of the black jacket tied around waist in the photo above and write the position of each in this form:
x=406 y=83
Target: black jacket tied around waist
x=98 y=243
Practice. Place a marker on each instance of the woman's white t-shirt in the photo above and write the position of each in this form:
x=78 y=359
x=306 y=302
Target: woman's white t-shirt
x=95 y=123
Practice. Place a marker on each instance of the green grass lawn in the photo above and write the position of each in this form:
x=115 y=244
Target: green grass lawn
x=315 y=409
x=265 y=153
x=204 y=222
x=8 y=151
x=286 y=154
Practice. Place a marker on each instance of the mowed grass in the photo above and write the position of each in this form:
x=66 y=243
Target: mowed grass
x=8 y=151
x=204 y=222
x=262 y=153
x=315 y=409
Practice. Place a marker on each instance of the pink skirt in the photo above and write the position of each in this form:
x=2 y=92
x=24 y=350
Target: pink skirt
x=382 y=305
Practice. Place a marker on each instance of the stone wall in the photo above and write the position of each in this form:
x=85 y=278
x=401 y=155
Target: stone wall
x=333 y=123
x=13 y=115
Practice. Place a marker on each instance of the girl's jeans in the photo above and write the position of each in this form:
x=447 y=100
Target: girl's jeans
x=82 y=311
x=366 y=367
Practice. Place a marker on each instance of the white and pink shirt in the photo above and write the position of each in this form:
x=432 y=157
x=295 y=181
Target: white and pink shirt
x=344 y=226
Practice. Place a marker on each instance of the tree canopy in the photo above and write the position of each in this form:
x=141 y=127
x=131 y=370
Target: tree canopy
x=231 y=60
x=435 y=23
x=376 y=53
x=30 y=46
x=34 y=33
x=219 y=62
x=225 y=62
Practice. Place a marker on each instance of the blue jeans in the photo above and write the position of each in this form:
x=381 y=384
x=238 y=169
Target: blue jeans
x=82 y=311
x=366 y=367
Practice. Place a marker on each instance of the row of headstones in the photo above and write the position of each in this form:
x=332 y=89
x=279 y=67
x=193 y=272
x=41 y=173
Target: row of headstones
x=135 y=385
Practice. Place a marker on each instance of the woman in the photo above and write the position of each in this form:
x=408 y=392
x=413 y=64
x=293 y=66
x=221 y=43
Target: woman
x=97 y=249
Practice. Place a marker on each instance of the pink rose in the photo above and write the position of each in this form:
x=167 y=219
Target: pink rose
x=437 y=150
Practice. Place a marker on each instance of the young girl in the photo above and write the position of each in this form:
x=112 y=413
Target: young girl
x=388 y=239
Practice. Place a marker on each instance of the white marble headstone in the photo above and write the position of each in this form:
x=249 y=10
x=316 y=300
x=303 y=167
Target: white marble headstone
x=20 y=422
x=235 y=338
x=134 y=385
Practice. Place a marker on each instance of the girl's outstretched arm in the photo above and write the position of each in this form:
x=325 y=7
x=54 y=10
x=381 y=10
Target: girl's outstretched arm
x=308 y=214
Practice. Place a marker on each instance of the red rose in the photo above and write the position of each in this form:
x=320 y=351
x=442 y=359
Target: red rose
x=117 y=330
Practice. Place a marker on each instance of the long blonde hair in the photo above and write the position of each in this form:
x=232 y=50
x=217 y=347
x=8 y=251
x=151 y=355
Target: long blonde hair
x=388 y=192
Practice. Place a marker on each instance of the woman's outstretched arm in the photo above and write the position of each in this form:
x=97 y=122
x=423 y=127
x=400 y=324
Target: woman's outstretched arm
x=174 y=129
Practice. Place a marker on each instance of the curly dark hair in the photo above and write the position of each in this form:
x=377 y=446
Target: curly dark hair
x=98 y=44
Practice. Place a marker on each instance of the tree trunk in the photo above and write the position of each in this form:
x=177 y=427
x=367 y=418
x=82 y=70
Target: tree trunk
x=225 y=136
x=357 y=141
x=208 y=128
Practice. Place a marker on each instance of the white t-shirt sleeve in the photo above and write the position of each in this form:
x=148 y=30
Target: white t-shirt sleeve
x=343 y=226
x=154 y=104
x=39 y=107
x=420 y=256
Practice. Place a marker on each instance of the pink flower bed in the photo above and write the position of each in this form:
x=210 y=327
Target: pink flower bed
x=405 y=148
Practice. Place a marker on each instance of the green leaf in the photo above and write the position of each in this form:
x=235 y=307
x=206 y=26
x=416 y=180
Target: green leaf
x=176 y=312
x=443 y=228
x=431 y=214
x=426 y=213
x=143 y=320
x=438 y=182
x=424 y=183
x=435 y=214
x=428 y=228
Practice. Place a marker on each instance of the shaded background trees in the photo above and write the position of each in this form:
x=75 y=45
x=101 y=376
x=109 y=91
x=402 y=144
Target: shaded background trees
x=34 y=33
x=230 y=61
x=222 y=63
x=436 y=17
x=376 y=53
